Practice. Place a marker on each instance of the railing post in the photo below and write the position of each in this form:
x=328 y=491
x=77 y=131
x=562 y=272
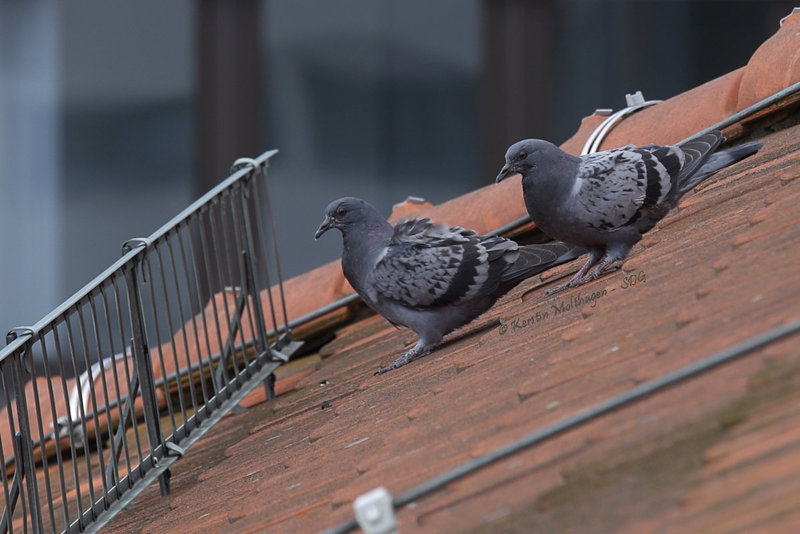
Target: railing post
x=23 y=444
x=248 y=260
x=248 y=255
x=144 y=365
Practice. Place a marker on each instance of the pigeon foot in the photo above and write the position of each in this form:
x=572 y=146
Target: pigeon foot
x=414 y=354
x=604 y=268
x=581 y=277
x=579 y=280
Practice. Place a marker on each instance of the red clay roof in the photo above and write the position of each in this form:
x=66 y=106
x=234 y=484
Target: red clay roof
x=719 y=453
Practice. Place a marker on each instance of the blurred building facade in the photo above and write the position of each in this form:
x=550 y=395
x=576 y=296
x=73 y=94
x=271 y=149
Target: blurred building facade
x=114 y=116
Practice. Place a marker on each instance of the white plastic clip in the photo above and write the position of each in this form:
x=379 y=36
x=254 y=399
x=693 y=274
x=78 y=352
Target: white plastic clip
x=375 y=513
x=635 y=102
x=635 y=99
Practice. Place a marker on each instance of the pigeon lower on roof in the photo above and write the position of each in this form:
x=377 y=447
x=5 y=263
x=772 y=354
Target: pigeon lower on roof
x=606 y=201
x=426 y=276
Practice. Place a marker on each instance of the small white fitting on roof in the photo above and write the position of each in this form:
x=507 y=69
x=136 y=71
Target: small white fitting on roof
x=634 y=99
x=375 y=513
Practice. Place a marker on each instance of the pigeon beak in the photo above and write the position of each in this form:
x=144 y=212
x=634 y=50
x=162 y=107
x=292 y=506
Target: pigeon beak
x=505 y=172
x=326 y=225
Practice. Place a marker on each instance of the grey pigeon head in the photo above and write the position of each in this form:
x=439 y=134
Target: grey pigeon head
x=345 y=212
x=524 y=156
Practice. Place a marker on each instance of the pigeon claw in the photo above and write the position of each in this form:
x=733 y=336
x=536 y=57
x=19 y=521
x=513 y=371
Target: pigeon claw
x=384 y=370
x=557 y=289
x=414 y=354
x=581 y=279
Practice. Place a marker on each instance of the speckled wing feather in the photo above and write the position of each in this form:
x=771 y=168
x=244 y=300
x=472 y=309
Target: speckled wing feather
x=429 y=265
x=615 y=185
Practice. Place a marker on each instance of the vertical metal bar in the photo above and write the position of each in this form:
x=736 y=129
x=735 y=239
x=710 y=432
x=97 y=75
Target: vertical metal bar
x=119 y=442
x=25 y=442
x=229 y=350
x=193 y=315
x=230 y=259
x=70 y=430
x=11 y=493
x=217 y=244
x=235 y=229
x=245 y=257
x=56 y=434
x=192 y=393
x=81 y=404
x=249 y=261
x=171 y=328
x=269 y=383
x=196 y=220
x=6 y=493
x=108 y=484
x=95 y=407
x=209 y=280
x=259 y=228
x=123 y=421
x=109 y=430
x=274 y=232
x=223 y=254
x=43 y=447
x=170 y=409
x=19 y=479
x=141 y=358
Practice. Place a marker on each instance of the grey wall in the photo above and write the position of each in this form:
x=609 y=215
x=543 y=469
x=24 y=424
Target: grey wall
x=371 y=99
x=96 y=135
x=31 y=170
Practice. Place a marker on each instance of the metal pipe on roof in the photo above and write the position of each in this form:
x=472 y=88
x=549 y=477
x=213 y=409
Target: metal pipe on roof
x=609 y=405
x=746 y=112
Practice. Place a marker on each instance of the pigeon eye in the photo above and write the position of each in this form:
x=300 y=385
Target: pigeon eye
x=341 y=211
x=522 y=155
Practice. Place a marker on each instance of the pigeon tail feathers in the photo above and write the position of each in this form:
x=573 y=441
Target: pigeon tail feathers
x=534 y=259
x=696 y=152
x=718 y=161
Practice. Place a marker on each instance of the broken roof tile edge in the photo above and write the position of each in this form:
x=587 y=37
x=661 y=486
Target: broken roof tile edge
x=774 y=66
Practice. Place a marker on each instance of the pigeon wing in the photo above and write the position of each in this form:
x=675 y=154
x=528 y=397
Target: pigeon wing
x=429 y=265
x=614 y=186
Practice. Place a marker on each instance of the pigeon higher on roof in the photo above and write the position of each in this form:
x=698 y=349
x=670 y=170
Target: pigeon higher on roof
x=606 y=201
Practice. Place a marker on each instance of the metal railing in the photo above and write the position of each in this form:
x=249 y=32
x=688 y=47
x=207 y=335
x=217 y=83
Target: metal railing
x=142 y=361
